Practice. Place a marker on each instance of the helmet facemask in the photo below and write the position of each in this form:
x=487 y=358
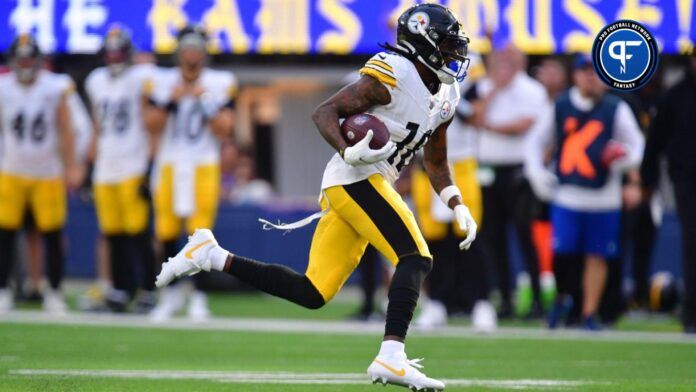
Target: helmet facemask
x=448 y=59
x=25 y=60
x=454 y=50
x=192 y=53
x=117 y=50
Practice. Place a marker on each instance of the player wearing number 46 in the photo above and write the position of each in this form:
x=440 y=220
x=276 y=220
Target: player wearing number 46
x=191 y=110
x=38 y=162
x=120 y=151
x=412 y=88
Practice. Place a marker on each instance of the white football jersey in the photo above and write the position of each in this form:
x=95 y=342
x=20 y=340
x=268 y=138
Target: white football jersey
x=187 y=135
x=29 y=116
x=122 y=149
x=411 y=117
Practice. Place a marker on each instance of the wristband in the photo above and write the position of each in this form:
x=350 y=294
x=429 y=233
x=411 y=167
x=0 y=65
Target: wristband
x=448 y=193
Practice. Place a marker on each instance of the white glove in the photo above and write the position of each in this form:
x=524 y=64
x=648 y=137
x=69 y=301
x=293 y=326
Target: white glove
x=544 y=184
x=361 y=154
x=466 y=223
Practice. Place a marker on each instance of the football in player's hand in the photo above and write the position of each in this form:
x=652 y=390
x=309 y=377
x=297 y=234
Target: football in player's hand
x=355 y=127
x=612 y=151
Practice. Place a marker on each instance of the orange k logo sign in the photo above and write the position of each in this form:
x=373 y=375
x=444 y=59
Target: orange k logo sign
x=574 y=151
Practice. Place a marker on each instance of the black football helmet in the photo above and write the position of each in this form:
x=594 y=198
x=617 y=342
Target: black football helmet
x=117 y=49
x=25 y=57
x=431 y=34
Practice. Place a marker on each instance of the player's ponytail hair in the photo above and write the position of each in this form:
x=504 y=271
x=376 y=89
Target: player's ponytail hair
x=399 y=50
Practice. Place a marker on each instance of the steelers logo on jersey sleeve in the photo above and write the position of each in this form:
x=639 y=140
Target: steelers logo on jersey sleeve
x=445 y=110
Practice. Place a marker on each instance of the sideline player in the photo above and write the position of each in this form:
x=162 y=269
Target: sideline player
x=193 y=106
x=412 y=88
x=120 y=168
x=37 y=163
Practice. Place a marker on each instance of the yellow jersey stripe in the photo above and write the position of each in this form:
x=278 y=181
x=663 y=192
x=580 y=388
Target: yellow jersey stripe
x=148 y=87
x=378 y=69
x=379 y=75
x=381 y=64
x=232 y=92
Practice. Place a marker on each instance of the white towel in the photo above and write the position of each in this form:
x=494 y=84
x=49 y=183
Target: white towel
x=184 y=187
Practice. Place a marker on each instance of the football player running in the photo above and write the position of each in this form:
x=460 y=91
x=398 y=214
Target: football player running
x=121 y=166
x=192 y=108
x=413 y=89
x=37 y=163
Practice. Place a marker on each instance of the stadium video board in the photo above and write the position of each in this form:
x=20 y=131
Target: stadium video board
x=337 y=26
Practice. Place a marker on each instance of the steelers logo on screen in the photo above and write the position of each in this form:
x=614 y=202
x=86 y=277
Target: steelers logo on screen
x=625 y=55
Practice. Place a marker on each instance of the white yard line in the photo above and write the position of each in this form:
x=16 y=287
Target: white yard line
x=283 y=378
x=335 y=327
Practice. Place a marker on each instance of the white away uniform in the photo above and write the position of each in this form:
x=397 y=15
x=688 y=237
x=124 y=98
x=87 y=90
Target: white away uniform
x=32 y=168
x=190 y=153
x=122 y=148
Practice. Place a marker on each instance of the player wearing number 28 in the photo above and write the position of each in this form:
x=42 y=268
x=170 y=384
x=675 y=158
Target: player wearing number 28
x=116 y=92
x=412 y=88
x=38 y=161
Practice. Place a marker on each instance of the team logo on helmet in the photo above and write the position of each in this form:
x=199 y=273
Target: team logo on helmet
x=418 y=18
x=445 y=110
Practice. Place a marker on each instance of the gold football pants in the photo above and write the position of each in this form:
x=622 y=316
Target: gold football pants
x=44 y=196
x=369 y=211
x=465 y=179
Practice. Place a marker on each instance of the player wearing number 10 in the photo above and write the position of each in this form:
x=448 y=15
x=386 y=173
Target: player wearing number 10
x=37 y=163
x=412 y=89
x=191 y=107
x=116 y=92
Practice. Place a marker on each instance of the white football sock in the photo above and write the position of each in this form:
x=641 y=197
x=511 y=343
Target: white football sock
x=391 y=347
x=218 y=258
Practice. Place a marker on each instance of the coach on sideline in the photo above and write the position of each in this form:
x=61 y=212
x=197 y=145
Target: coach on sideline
x=673 y=133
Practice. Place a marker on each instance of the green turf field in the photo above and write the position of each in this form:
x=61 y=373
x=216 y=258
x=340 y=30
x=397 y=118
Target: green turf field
x=172 y=360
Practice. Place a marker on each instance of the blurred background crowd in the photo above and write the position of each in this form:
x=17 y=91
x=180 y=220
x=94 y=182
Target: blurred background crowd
x=551 y=247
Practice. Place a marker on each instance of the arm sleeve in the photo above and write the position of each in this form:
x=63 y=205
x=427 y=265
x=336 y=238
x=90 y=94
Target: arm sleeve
x=145 y=79
x=160 y=90
x=540 y=136
x=628 y=133
x=231 y=92
x=381 y=68
x=89 y=86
